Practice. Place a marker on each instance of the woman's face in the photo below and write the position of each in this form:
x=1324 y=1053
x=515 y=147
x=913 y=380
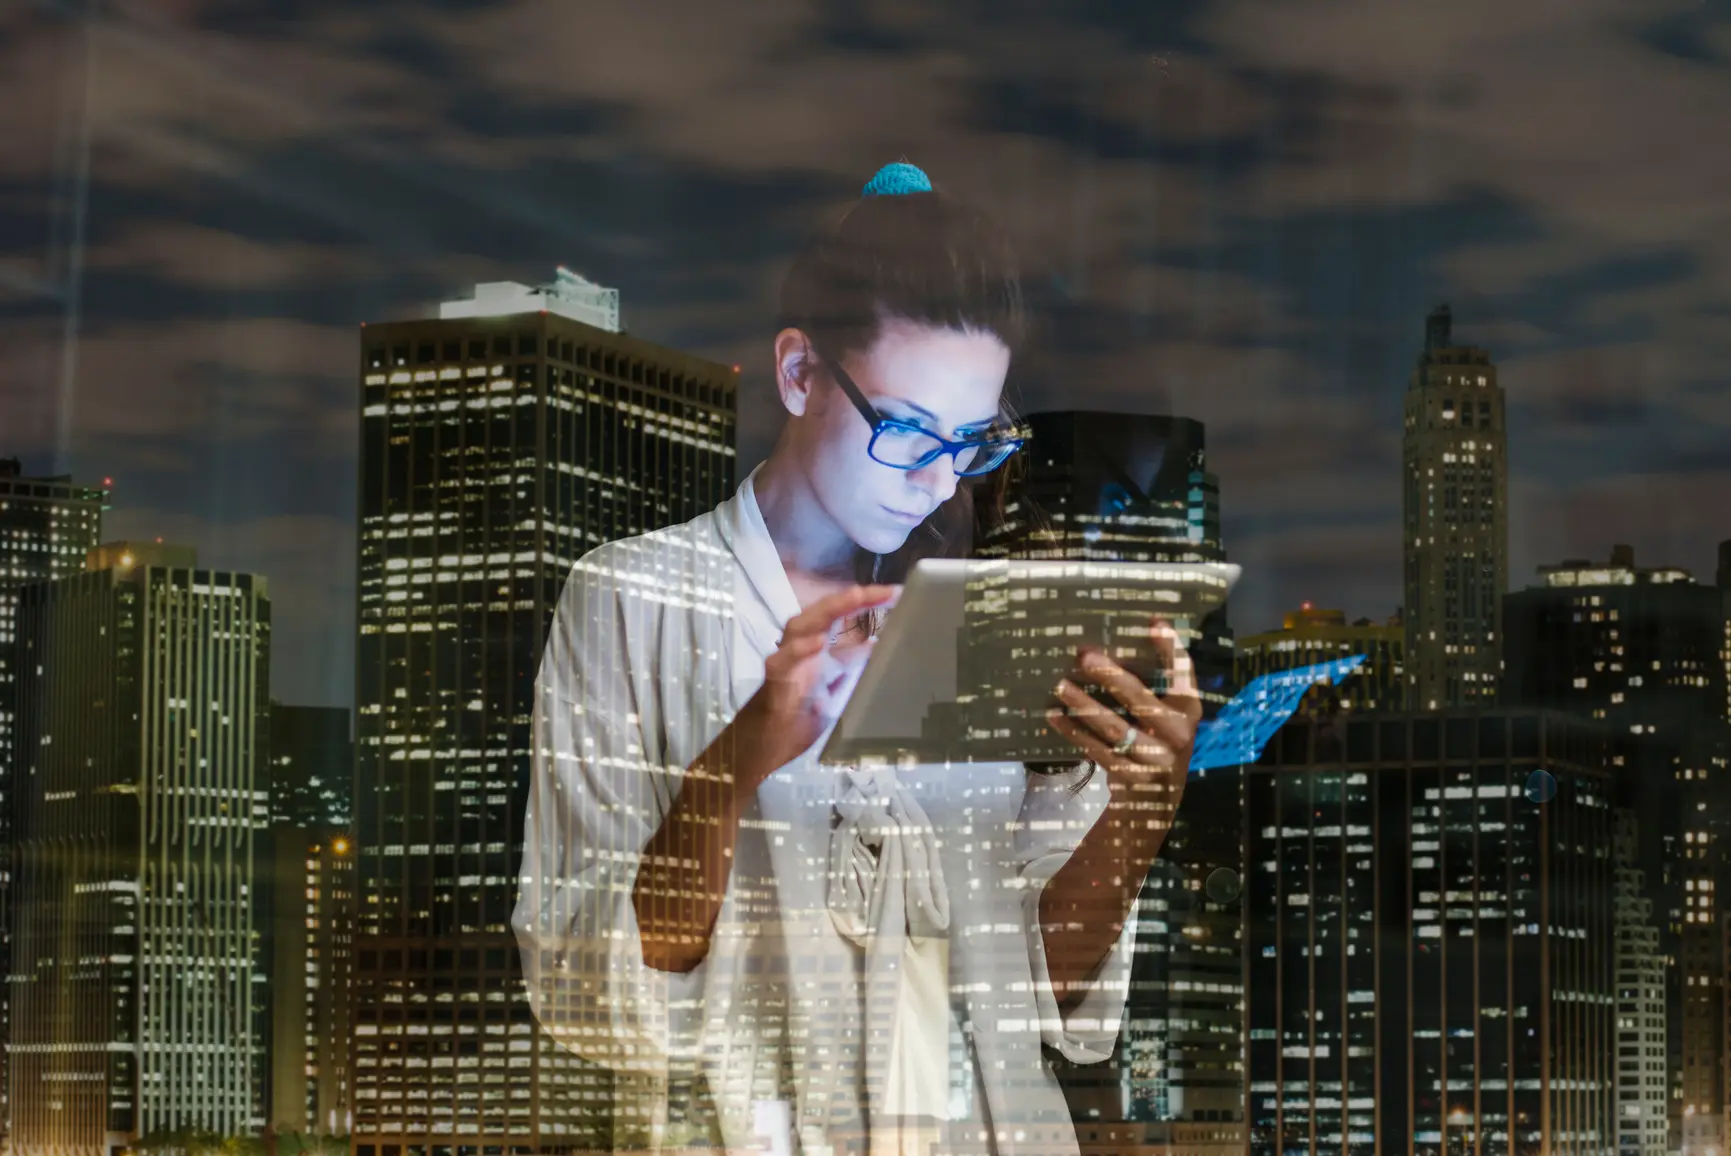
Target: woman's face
x=947 y=381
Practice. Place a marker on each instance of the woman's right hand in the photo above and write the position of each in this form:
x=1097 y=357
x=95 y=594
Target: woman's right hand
x=806 y=682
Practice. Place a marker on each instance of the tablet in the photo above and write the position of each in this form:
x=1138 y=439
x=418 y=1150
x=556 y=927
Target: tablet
x=969 y=657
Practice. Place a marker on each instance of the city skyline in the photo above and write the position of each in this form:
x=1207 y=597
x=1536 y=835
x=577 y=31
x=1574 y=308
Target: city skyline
x=361 y=663
x=1267 y=291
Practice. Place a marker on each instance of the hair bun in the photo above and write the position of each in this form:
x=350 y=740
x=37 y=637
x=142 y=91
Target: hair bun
x=896 y=179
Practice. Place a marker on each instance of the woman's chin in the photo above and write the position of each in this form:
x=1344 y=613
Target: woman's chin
x=880 y=540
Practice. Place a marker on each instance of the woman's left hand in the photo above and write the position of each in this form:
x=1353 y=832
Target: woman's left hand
x=1152 y=754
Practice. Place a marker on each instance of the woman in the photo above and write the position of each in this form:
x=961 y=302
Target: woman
x=772 y=953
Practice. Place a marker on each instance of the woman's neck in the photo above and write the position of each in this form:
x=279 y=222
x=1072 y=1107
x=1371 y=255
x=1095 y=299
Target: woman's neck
x=812 y=548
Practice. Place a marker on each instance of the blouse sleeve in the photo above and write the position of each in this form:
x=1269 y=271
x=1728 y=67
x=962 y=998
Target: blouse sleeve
x=597 y=794
x=1053 y=820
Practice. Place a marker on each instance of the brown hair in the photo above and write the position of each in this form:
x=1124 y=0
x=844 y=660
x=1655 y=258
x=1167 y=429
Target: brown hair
x=928 y=258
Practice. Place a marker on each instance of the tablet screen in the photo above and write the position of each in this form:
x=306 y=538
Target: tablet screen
x=967 y=663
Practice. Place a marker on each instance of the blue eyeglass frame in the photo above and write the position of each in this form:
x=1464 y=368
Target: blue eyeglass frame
x=879 y=422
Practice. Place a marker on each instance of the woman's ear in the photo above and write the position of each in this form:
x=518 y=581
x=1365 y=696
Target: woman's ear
x=793 y=370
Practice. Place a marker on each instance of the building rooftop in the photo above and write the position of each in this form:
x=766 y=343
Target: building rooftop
x=568 y=295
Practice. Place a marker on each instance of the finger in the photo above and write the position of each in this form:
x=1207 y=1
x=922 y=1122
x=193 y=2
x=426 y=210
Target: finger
x=1098 y=718
x=1124 y=686
x=1100 y=754
x=1171 y=723
x=793 y=651
x=841 y=688
x=821 y=614
x=1147 y=751
x=1110 y=730
x=1082 y=738
x=1182 y=694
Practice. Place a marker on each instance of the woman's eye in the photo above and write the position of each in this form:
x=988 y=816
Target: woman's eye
x=902 y=431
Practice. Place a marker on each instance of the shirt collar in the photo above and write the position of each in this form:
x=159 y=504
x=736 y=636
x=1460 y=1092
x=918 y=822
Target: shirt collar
x=747 y=535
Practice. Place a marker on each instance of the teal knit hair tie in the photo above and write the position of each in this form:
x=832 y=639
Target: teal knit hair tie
x=894 y=180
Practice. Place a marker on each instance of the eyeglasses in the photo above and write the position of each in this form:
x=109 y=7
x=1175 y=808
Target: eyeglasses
x=902 y=445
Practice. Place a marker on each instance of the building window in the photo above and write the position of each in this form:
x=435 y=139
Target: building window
x=526 y=345
x=477 y=350
x=501 y=346
x=453 y=351
x=424 y=353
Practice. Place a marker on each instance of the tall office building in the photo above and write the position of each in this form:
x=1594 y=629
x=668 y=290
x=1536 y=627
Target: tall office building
x=311 y=956
x=1643 y=649
x=311 y=924
x=1454 y=453
x=1429 y=936
x=141 y=756
x=1642 y=1111
x=1112 y=487
x=500 y=442
x=1101 y=486
x=1309 y=635
x=46 y=527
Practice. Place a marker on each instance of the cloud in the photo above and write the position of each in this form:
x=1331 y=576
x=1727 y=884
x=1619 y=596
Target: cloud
x=184 y=253
x=1260 y=203
x=1662 y=514
x=219 y=413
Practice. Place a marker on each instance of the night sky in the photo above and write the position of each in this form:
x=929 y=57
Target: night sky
x=1253 y=205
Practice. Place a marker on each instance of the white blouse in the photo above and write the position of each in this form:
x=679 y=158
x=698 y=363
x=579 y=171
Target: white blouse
x=876 y=979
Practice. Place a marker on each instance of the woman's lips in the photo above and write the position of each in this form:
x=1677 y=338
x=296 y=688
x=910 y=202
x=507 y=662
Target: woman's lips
x=910 y=519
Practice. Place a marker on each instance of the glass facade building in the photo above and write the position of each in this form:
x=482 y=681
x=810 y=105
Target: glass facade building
x=137 y=985
x=1642 y=648
x=47 y=525
x=1429 y=936
x=312 y=909
x=496 y=450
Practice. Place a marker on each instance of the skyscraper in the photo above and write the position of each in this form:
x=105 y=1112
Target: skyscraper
x=500 y=442
x=140 y=762
x=1309 y=635
x=1102 y=486
x=311 y=956
x=1430 y=936
x=46 y=527
x=1455 y=522
x=1642 y=649
x=1642 y=1111
x=1095 y=485
x=311 y=897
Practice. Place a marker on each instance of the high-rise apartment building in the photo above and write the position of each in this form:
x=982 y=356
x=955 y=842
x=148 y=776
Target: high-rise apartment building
x=1429 y=936
x=1454 y=452
x=310 y=944
x=1112 y=487
x=1310 y=635
x=1642 y=648
x=500 y=442
x=47 y=525
x=312 y=910
x=1642 y=1111
x=141 y=760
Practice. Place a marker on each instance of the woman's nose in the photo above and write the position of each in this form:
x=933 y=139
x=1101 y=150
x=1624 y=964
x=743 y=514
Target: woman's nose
x=938 y=479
